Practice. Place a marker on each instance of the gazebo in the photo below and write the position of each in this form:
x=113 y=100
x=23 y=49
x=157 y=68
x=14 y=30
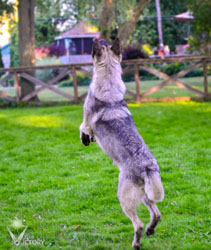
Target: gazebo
x=78 y=43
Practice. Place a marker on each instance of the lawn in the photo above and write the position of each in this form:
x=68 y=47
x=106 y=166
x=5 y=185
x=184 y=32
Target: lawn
x=65 y=193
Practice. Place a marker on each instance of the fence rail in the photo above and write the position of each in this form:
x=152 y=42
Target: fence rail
x=129 y=66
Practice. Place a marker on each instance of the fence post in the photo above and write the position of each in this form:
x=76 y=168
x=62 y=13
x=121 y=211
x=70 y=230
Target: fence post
x=17 y=86
x=75 y=85
x=205 y=79
x=137 y=79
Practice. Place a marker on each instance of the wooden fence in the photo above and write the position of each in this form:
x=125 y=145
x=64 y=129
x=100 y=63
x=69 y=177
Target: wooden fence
x=128 y=67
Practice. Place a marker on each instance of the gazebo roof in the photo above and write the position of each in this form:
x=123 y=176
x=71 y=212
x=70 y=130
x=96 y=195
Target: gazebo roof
x=79 y=30
x=184 y=17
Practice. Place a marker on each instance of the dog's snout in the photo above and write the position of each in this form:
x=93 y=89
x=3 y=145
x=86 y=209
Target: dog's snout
x=103 y=42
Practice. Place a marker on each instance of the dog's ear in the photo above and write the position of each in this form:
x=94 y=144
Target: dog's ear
x=96 y=49
x=117 y=47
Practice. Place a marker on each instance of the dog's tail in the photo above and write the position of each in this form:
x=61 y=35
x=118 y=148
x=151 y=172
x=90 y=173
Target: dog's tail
x=153 y=187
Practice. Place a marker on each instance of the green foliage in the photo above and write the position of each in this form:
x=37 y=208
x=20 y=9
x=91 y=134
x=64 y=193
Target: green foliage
x=146 y=30
x=6 y=6
x=7 y=103
x=173 y=68
x=47 y=74
x=14 y=45
x=173 y=32
x=45 y=23
x=49 y=14
x=200 y=40
x=51 y=182
x=45 y=31
x=170 y=69
x=82 y=79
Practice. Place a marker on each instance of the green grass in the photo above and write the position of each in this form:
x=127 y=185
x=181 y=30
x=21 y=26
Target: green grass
x=168 y=91
x=51 y=182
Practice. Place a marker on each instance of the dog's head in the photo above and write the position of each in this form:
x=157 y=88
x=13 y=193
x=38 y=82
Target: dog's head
x=103 y=54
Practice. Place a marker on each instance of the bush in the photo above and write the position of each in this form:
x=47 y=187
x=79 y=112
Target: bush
x=169 y=69
x=173 y=68
x=82 y=79
x=200 y=39
x=7 y=103
x=41 y=53
x=46 y=74
x=134 y=51
x=147 y=49
x=57 y=50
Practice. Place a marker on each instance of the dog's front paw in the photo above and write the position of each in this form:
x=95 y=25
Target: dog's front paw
x=150 y=231
x=85 y=139
x=93 y=139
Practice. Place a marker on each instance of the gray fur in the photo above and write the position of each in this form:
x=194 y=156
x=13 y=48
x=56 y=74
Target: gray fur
x=108 y=120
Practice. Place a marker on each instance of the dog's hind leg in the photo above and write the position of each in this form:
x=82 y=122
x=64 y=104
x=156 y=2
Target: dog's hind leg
x=154 y=215
x=130 y=196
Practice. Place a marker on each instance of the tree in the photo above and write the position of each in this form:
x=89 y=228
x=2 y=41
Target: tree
x=111 y=16
x=159 y=22
x=53 y=16
x=47 y=16
x=125 y=27
x=200 y=39
x=173 y=32
x=120 y=17
x=26 y=42
x=105 y=21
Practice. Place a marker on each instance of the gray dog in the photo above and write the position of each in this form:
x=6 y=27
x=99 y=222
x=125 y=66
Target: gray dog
x=108 y=121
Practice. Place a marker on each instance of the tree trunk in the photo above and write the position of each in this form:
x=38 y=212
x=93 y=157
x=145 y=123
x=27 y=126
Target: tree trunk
x=159 y=23
x=127 y=28
x=26 y=42
x=1 y=63
x=106 y=19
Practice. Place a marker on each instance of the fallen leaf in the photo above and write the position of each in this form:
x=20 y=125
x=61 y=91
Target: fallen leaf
x=76 y=227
